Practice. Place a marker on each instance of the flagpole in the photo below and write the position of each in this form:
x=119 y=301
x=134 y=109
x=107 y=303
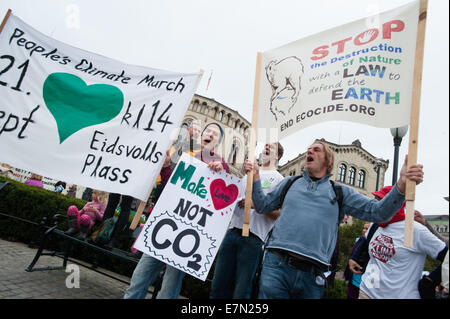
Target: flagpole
x=251 y=152
x=142 y=205
x=410 y=191
x=5 y=19
x=209 y=81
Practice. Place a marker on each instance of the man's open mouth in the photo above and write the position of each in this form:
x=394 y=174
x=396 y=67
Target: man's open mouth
x=309 y=159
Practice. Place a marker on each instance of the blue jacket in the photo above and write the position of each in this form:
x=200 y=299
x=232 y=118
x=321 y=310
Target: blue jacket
x=309 y=220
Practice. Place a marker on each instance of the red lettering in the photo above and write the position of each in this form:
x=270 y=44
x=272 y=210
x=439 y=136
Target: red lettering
x=361 y=39
x=322 y=51
x=388 y=29
x=341 y=45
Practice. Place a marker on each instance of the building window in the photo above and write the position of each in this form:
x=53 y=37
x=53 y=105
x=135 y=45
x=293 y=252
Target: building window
x=195 y=106
x=342 y=172
x=183 y=132
x=221 y=115
x=351 y=175
x=232 y=158
x=361 y=178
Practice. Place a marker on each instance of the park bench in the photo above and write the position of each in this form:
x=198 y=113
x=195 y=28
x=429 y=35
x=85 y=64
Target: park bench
x=50 y=232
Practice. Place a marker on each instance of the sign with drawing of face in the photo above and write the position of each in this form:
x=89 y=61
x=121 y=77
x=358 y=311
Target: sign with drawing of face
x=360 y=72
x=190 y=218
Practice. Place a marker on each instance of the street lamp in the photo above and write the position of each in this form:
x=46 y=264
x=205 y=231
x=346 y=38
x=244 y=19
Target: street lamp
x=376 y=168
x=397 y=133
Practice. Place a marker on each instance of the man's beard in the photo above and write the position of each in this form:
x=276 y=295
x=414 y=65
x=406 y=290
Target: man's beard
x=263 y=159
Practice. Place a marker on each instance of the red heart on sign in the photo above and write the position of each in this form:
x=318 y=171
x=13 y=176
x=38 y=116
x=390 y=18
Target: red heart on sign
x=221 y=194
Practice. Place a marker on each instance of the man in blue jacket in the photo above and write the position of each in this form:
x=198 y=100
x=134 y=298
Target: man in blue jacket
x=304 y=236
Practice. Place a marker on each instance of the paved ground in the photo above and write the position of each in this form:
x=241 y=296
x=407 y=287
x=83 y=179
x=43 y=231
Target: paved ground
x=16 y=283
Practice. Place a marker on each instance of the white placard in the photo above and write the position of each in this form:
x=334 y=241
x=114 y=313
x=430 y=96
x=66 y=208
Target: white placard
x=76 y=116
x=190 y=218
x=360 y=72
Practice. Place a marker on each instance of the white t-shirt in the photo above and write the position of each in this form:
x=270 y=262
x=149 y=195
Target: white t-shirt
x=445 y=272
x=260 y=224
x=394 y=271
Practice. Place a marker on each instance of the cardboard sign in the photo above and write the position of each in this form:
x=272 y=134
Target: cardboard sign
x=76 y=116
x=189 y=220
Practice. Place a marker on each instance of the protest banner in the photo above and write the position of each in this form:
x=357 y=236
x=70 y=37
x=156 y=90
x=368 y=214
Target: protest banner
x=77 y=116
x=189 y=220
x=358 y=72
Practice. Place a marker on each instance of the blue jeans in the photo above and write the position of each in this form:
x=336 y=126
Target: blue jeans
x=236 y=264
x=145 y=274
x=280 y=281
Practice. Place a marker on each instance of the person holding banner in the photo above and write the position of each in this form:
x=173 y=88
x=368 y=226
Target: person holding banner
x=394 y=270
x=188 y=144
x=212 y=135
x=304 y=236
x=148 y=267
x=238 y=257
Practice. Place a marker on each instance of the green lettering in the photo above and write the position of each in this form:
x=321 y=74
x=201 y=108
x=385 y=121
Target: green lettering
x=396 y=98
x=191 y=187
x=183 y=174
x=199 y=187
x=202 y=193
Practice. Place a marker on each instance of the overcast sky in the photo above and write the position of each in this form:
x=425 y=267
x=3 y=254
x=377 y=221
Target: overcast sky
x=223 y=37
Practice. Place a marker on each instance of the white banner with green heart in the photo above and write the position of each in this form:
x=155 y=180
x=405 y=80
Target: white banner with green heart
x=76 y=116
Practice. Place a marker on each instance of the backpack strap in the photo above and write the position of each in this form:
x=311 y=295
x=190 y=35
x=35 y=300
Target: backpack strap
x=282 y=196
x=286 y=188
x=335 y=257
x=339 y=197
x=372 y=231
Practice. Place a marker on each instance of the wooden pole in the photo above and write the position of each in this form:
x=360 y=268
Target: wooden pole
x=8 y=13
x=410 y=192
x=251 y=152
x=140 y=210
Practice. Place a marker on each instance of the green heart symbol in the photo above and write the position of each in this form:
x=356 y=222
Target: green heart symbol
x=75 y=105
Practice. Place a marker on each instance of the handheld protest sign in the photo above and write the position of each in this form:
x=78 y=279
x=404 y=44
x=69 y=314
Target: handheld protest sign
x=410 y=192
x=358 y=72
x=106 y=124
x=190 y=218
x=142 y=205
